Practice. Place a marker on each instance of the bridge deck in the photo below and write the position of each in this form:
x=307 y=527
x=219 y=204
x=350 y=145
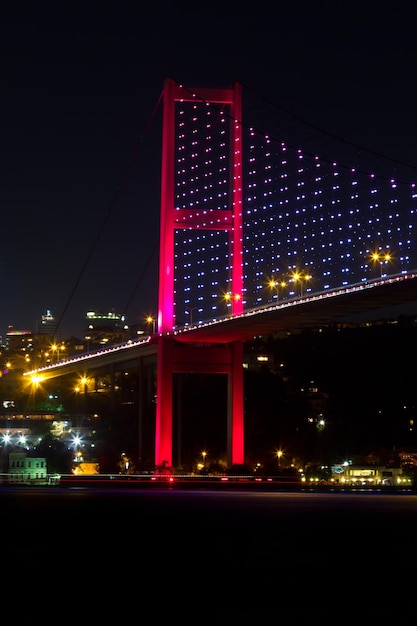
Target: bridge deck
x=309 y=311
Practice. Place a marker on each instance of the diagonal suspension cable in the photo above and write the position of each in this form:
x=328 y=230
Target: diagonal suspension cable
x=141 y=277
x=110 y=210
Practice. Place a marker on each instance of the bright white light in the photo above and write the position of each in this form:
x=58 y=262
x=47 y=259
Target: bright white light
x=76 y=441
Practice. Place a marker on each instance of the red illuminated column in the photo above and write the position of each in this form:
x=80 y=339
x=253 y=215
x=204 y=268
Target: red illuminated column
x=236 y=250
x=236 y=430
x=166 y=236
x=163 y=426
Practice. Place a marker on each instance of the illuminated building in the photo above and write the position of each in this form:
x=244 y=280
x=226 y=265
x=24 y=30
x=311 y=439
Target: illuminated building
x=105 y=329
x=26 y=469
x=362 y=475
x=47 y=325
x=86 y=468
x=18 y=340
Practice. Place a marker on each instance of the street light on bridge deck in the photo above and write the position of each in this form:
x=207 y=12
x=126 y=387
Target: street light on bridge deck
x=300 y=277
x=190 y=310
x=229 y=297
x=276 y=284
x=151 y=321
x=56 y=348
x=382 y=258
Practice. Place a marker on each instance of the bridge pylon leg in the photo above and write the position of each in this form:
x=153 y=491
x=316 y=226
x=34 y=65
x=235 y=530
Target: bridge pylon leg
x=164 y=387
x=235 y=410
x=182 y=357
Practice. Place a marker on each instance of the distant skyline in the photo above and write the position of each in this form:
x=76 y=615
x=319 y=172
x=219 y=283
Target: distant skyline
x=80 y=150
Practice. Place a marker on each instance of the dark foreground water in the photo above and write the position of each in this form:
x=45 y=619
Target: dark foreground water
x=209 y=557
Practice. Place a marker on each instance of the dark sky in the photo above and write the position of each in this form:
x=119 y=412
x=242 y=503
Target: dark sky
x=79 y=84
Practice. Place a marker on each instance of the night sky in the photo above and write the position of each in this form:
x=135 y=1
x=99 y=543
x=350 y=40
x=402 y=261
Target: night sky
x=81 y=129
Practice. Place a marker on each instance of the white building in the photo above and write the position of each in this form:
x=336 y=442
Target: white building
x=27 y=470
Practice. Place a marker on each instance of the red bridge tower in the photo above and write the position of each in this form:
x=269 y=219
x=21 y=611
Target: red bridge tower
x=175 y=356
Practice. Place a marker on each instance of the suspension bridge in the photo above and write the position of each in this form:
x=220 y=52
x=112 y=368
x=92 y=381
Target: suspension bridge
x=259 y=232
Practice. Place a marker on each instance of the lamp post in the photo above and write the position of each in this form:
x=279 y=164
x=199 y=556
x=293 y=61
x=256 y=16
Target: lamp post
x=56 y=348
x=151 y=321
x=84 y=381
x=299 y=277
x=230 y=297
x=386 y=258
x=275 y=284
x=190 y=309
x=227 y=297
x=306 y=278
x=77 y=445
x=35 y=382
x=376 y=258
x=382 y=258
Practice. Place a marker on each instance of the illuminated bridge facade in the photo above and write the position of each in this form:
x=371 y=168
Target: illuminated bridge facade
x=257 y=196
x=255 y=212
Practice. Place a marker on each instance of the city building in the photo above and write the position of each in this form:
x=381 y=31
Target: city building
x=47 y=325
x=27 y=470
x=369 y=475
x=86 y=468
x=18 y=340
x=105 y=329
x=408 y=458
